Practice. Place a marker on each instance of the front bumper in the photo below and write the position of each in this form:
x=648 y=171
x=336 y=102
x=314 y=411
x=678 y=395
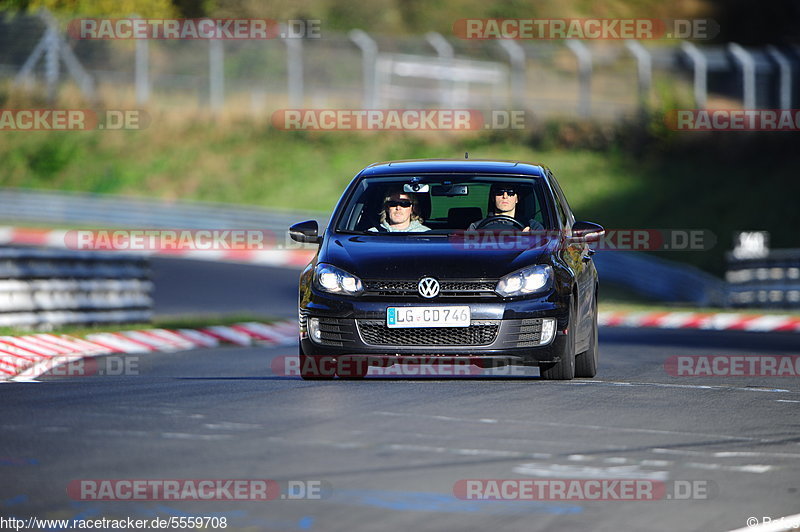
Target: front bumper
x=501 y=332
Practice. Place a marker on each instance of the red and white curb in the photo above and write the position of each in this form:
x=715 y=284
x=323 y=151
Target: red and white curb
x=720 y=321
x=23 y=358
x=56 y=238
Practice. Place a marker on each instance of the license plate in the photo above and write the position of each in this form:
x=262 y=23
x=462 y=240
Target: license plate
x=397 y=317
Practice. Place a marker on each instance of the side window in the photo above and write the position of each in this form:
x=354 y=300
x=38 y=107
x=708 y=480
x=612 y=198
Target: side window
x=564 y=212
x=562 y=216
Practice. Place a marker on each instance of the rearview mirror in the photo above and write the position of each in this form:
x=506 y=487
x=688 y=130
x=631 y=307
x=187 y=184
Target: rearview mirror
x=587 y=231
x=416 y=187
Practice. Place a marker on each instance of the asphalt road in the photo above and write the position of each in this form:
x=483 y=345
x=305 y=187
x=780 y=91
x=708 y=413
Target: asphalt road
x=388 y=451
x=197 y=286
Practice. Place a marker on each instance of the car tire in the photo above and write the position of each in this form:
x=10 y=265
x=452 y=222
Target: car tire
x=564 y=369
x=586 y=362
x=311 y=368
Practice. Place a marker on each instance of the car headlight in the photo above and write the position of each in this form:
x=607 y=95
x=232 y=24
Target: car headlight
x=526 y=281
x=336 y=281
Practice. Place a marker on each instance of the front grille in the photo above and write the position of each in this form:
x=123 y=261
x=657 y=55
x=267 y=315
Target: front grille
x=459 y=288
x=480 y=332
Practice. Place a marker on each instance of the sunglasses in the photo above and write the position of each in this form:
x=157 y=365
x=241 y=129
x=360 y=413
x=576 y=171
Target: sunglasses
x=399 y=203
x=501 y=191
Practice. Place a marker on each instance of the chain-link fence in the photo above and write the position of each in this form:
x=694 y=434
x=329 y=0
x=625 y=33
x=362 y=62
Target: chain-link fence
x=571 y=78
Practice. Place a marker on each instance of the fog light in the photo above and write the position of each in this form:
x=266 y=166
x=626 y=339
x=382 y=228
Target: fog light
x=313 y=329
x=548 y=330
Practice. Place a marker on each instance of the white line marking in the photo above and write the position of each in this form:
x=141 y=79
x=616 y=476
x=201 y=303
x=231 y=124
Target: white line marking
x=655 y=463
x=463 y=452
x=724 y=454
x=229 y=425
x=691 y=386
x=497 y=453
x=750 y=468
x=572 y=471
x=187 y=436
x=580 y=426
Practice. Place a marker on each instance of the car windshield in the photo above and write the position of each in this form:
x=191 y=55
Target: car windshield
x=442 y=204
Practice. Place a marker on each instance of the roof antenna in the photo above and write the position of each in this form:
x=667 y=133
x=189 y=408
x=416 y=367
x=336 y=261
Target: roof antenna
x=466 y=155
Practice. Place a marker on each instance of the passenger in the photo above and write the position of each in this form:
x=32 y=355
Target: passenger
x=400 y=213
x=503 y=201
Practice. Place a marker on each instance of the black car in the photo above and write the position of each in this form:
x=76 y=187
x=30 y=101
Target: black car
x=426 y=260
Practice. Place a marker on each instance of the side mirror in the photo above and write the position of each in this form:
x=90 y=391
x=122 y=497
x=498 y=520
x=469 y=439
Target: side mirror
x=305 y=232
x=587 y=231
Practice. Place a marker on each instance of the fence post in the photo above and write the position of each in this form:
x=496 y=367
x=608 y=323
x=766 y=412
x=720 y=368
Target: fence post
x=294 y=67
x=141 y=72
x=748 y=65
x=216 y=74
x=51 y=69
x=584 y=58
x=369 y=55
x=445 y=51
x=700 y=68
x=516 y=56
x=785 y=67
x=644 y=68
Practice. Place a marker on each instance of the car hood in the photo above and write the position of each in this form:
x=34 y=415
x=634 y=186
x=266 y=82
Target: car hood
x=412 y=257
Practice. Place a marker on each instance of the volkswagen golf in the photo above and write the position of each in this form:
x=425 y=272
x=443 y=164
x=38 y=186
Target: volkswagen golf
x=468 y=261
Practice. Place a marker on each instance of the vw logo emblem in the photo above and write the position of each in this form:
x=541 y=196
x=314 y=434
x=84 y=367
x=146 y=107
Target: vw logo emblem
x=428 y=287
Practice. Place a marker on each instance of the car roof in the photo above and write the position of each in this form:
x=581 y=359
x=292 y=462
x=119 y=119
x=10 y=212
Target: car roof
x=453 y=166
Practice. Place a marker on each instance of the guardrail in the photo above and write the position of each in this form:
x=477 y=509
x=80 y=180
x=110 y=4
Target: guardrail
x=769 y=281
x=46 y=287
x=77 y=208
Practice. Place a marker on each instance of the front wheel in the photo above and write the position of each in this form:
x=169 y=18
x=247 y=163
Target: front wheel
x=564 y=369
x=586 y=362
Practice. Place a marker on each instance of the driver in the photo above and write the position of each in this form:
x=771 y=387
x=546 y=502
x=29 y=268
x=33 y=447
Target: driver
x=503 y=201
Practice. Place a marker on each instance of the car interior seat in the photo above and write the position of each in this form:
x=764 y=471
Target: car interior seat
x=461 y=217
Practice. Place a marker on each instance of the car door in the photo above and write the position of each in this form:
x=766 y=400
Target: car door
x=576 y=254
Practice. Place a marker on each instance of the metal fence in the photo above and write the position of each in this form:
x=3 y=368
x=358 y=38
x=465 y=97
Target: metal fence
x=772 y=280
x=598 y=79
